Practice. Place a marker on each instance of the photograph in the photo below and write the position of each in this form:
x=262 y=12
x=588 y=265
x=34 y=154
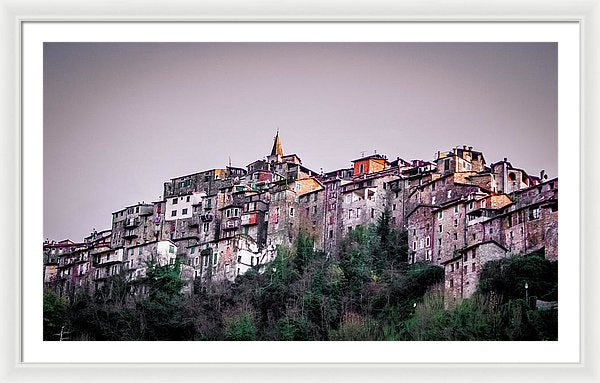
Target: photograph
x=300 y=191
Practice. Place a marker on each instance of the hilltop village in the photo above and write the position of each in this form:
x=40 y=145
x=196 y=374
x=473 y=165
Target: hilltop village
x=459 y=213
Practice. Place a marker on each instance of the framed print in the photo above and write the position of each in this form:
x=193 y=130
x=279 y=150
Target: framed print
x=240 y=194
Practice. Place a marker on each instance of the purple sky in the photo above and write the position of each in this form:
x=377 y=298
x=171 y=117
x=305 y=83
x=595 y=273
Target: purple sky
x=122 y=118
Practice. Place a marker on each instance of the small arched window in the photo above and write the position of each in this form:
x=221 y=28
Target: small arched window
x=512 y=176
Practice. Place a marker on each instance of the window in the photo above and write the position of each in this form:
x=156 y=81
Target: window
x=433 y=200
x=473 y=267
x=428 y=241
x=330 y=234
x=510 y=221
x=174 y=201
x=187 y=199
x=394 y=207
x=451 y=282
x=441 y=228
x=184 y=211
x=396 y=195
x=473 y=254
x=415 y=245
x=440 y=214
x=206 y=226
x=455 y=209
x=455 y=222
x=421 y=243
x=192 y=250
x=534 y=213
x=449 y=194
x=439 y=242
x=173 y=213
x=446 y=165
x=372 y=213
x=470 y=205
x=433 y=186
x=171 y=249
x=361 y=168
x=452 y=267
x=358 y=212
x=455 y=235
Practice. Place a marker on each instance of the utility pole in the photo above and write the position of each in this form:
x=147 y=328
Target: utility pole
x=526 y=294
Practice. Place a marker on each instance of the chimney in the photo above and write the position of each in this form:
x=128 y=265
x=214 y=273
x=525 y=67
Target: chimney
x=543 y=175
x=455 y=150
x=505 y=159
x=464 y=147
x=470 y=148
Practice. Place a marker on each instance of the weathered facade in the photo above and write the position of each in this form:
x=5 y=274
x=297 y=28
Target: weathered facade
x=458 y=213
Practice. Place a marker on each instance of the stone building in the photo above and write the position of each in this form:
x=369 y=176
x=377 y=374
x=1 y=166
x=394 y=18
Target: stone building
x=458 y=212
x=133 y=225
x=461 y=272
x=135 y=262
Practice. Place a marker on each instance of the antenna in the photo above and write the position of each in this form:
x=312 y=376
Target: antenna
x=362 y=154
x=229 y=161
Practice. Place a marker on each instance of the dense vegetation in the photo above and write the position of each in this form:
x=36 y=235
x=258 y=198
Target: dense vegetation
x=368 y=292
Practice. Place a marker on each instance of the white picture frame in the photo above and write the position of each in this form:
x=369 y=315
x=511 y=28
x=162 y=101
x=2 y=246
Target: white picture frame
x=15 y=14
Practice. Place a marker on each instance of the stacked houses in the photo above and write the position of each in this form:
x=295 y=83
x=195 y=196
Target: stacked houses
x=459 y=213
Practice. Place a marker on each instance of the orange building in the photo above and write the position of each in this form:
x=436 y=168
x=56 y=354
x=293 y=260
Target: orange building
x=370 y=164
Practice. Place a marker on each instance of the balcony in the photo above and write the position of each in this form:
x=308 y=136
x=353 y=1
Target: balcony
x=110 y=258
x=130 y=234
x=132 y=222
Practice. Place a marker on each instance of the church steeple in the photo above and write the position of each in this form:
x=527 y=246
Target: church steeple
x=277 y=150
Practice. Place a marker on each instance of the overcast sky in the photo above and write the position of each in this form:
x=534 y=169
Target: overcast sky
x=122 y=118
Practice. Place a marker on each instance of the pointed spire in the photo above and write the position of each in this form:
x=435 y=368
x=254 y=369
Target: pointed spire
x=277 y=150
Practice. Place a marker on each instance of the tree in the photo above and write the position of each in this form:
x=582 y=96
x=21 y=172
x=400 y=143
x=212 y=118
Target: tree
x=55 y=315
x=162 y=311
x=240 y=326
